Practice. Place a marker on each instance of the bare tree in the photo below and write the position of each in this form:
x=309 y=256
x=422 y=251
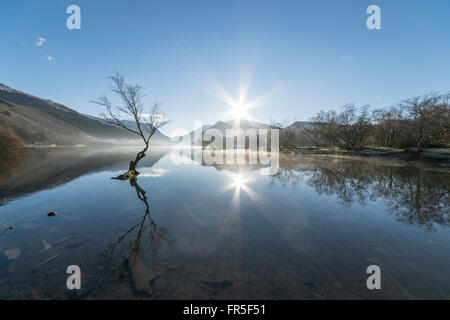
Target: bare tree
x=287 y=132
x=353 y=126
x=428 y=118
x=418 y=122
x=146 y=123
x=324 y=128
x=388 y=129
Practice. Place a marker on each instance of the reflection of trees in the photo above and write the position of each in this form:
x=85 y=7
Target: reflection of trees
x=142 y=240
x=417 y=197
x=147 y=224
x=46 y=168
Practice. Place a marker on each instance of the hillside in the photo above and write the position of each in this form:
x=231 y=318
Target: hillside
x=301 y=125
x=158 y=136
x=41 y=122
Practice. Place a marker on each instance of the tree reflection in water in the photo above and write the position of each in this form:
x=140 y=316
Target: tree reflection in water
x=418 y=196
x=135 y=248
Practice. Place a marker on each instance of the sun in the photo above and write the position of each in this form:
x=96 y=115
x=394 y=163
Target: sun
x=239 y=111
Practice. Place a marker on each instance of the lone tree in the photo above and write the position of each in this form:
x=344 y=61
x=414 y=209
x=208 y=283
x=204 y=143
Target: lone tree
x=143 y=123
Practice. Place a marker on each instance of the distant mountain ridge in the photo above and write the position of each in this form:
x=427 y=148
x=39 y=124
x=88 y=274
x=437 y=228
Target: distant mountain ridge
x=41 y=121
x=159 y=136
x=301 y=125
x=222 y=126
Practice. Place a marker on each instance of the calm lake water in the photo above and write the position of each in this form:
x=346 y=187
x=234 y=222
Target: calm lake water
x=194 y=231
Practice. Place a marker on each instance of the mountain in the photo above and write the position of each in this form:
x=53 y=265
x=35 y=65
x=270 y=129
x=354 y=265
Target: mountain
x=158 y=136
x=301 y=125
x=246 y=124
x=222 y=127
x=41 y=121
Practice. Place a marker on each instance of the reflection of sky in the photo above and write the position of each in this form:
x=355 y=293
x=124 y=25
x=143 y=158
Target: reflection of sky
x=154 y=173
x=234 y=216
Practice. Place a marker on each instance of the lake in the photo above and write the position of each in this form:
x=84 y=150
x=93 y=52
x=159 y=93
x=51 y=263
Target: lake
x=196 y=231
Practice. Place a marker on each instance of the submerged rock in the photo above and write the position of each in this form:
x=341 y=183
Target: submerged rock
x=46 y=245
x=142 y=275
x=5 y=226
x=12 y=253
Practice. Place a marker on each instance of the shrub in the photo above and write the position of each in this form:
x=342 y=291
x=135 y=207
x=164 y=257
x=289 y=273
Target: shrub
x=12 y=152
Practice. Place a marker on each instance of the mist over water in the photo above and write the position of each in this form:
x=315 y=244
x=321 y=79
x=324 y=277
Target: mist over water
x=199 y=231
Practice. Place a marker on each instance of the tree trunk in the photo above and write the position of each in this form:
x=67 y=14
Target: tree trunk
x=132 y=170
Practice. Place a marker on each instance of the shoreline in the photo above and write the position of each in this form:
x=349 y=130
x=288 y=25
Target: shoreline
x=438 y=157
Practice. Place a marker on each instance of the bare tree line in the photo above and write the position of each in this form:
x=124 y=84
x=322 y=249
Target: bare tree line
x=288 y=132
x=419 y=122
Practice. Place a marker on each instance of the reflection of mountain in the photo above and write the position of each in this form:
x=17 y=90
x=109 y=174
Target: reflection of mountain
x=198 y=155
x=46 y=168
x=41 y=121
x=417 y=197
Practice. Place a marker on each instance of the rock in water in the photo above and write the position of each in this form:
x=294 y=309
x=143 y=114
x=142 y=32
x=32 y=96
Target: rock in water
x=46 y=245
x=141 y=274
x=5 y=226
x=12 y=253
x=51 y=214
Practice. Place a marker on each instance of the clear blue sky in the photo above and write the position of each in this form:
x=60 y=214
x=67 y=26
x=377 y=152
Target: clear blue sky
x=318 y=54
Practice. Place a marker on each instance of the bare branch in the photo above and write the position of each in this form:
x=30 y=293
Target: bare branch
x=131 y=109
